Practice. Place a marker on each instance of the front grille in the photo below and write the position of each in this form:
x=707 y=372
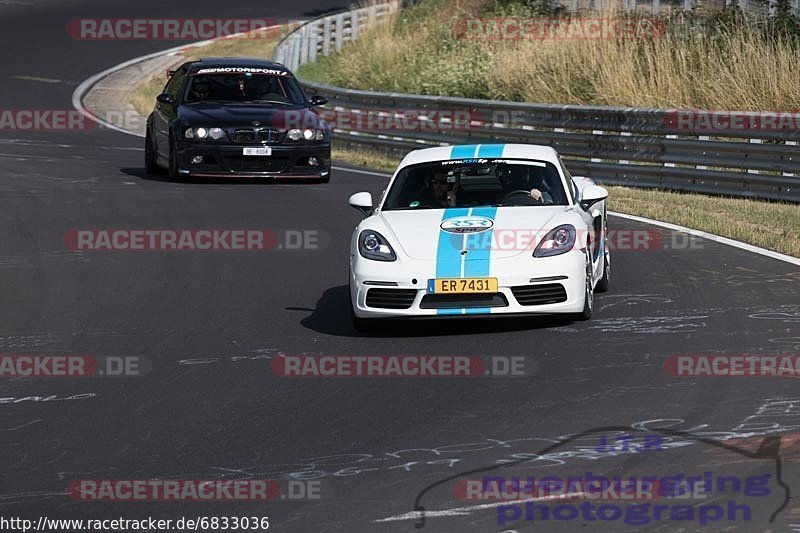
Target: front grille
x=391 y=298
x=257 y=135
x=256 y=163
x=550 y=293
x=268 y=136
x=457 y=301
x=244 y=136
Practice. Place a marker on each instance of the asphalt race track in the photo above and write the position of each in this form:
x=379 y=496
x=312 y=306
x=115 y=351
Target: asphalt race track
x=209 y=324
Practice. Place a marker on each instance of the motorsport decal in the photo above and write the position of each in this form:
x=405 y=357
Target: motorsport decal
x=463 y=161
x=468 y=224
x=243 y=70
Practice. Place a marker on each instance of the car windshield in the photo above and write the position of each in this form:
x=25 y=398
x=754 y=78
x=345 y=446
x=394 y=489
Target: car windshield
x=479 y=182
x=244 y=88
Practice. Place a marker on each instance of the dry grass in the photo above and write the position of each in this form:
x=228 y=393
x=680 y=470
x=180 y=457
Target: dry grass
x=143 y=97
x=775 y=226
x=722 y=65
x=367 y=159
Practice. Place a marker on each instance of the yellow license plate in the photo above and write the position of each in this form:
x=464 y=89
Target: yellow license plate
x=462 y=285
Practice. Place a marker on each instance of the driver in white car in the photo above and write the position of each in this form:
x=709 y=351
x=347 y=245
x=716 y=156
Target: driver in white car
x=516 y=178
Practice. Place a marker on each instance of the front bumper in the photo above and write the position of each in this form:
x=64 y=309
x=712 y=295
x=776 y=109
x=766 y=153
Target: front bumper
x=226 y=160
x=520 y=280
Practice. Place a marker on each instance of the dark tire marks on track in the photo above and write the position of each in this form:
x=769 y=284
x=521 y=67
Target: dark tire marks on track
x=210 y=323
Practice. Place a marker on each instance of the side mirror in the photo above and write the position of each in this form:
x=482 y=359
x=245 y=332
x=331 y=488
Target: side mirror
x=362 y=201
x=591 y=195
x=165 y=98
x=317 y=100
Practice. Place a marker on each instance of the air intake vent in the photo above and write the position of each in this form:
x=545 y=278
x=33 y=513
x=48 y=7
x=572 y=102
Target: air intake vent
x=550 y=293
x=391 y=298
x=244 y=136
x=458 y=301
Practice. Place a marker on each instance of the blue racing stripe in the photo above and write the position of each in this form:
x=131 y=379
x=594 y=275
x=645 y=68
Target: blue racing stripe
x=448 y=250
x=491 y=150
x=448 y=254
x=463 y=152
x=480 y=252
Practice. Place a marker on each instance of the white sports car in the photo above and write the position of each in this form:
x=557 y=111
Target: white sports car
x=479 y=230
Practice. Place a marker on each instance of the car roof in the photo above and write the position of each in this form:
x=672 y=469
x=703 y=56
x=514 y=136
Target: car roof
x=246 y=62
x=472 y=151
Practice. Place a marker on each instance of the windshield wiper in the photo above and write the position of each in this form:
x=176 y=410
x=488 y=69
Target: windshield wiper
x=214 y=101
x=269 y=102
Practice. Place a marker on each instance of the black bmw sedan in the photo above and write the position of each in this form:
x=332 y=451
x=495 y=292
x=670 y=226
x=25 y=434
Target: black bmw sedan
x=226 y=117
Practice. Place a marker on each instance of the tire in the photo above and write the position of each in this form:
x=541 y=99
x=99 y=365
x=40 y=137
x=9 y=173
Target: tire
x=588 y=297
x=150 y=158
x=363 y=325
x=604 y=282
x=174 y=175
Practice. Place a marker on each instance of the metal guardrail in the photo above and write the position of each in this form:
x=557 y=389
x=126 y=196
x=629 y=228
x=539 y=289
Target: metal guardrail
x=327 y=34
x=615 y=145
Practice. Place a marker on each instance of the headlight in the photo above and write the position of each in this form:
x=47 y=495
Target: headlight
x=307 y=134
x=202 y=133
x=557 y=241
x=373 y=245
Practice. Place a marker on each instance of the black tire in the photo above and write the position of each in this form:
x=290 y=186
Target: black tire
x=150 y=158
x=588 y=300
x=604 y=282
x=363 y=325
x=174 y=175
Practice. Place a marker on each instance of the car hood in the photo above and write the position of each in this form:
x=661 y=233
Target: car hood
x=437 y=234
x=243 y=115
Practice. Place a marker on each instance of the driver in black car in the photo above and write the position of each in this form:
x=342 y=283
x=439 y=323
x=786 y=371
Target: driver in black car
x=200 y=91
x=514 y=180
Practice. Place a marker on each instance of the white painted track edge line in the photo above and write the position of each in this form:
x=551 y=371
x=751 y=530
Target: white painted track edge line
x=359 y=171
x=712 y=237
x=465 y=511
